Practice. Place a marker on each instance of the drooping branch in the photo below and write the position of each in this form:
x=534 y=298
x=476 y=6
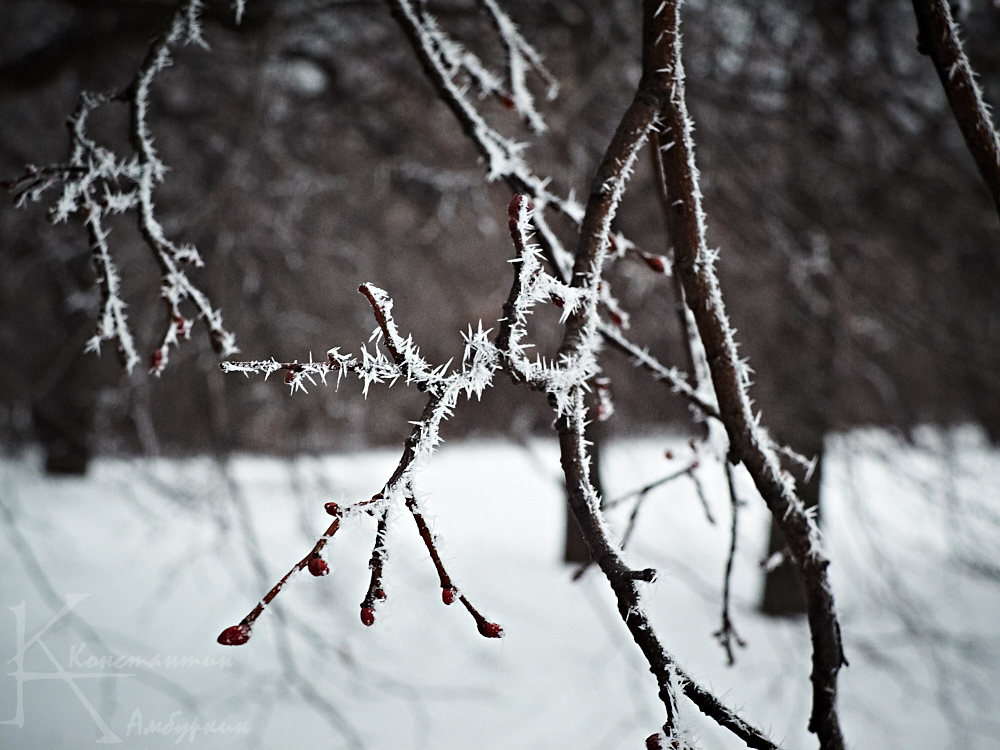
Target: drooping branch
x=237 y=635
x=694 y=264
x=938 y=38
x=503 y=156
x=625 y=584
x=478 y=366
x=448 y=589
x=521 y=58
x=97 y=182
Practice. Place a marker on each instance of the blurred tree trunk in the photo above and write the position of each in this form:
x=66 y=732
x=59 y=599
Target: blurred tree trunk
x=63 y=399
x=784 y=595
x=63 y=420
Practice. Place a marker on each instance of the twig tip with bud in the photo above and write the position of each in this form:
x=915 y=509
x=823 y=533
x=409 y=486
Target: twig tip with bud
x=490 y=629
x=236 y=635
x=368 y=616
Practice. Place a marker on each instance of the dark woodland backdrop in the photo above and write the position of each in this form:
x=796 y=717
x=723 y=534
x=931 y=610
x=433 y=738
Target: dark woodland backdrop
x=860 y=252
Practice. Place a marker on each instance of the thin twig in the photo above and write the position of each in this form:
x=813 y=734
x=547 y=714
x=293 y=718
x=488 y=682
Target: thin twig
x=97 y=183
x=645 y=489
x=727 y=634
x=448 y=590
x=376 y=565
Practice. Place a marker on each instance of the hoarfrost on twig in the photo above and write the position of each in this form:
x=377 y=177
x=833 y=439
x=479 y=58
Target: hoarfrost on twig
x=92 y=182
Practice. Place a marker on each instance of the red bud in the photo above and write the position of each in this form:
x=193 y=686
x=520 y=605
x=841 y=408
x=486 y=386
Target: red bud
x=237 y=635
x=506 y=101
x=368 y=616
x=332 y=508
x=156 y=361
x=290 y=376
x=448 y=595
x=380 y=595
x=657 y=262
x=669 y=455
x=490 y=630
x=318 y=566
x=181 y=324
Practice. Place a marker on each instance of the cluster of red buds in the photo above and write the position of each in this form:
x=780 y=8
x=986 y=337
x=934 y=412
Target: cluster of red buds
x=237 y=635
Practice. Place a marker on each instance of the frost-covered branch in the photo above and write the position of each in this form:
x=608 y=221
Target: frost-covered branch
x=697 y=363
x=565 y=382
x=97 y=183
x=581 y=342
x=938 y=38
x=583 y=296
x=114 y=321
x=748 y=442
x=522 y=58
x=504 y=157
x=443 y=385
x=399 y=485
x=669 y=375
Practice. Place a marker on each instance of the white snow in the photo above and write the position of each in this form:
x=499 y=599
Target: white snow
x=171 y=552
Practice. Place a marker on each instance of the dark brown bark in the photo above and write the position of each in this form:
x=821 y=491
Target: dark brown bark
x=575 y=550
x=694 y=267
x=937 y=37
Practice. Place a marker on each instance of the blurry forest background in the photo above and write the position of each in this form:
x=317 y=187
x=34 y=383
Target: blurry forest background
x=308 y=153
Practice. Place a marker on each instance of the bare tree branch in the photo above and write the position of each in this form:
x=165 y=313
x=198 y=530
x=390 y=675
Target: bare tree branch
x=92 y=186
x=938 y=38
x=694 y=263
x=578 y=344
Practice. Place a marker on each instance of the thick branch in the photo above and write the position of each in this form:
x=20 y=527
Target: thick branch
x=937 y=37
x=694 y=265
x=606 y=191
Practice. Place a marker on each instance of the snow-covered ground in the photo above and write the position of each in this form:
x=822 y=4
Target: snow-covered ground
x=152 y=559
